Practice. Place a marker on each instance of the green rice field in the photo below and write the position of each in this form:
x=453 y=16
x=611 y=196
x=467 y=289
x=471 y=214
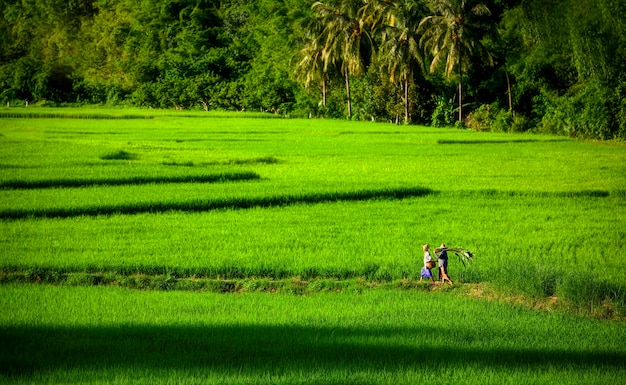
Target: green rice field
x=142 y=246
x=113 y=335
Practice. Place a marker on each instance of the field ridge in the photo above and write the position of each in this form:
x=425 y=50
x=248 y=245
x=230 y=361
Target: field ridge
x=298 y=285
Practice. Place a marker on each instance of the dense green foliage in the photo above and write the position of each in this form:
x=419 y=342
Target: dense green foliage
x=556 y=67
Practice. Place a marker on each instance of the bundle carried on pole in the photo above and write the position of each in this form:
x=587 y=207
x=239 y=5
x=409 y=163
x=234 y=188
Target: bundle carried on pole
x=463 y=254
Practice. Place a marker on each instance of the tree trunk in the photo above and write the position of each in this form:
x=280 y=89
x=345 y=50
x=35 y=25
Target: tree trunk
x=348 y=94
x=406 y=101
x=460 y=83
x=508 y=88
x=460 y=100
x=324 y=92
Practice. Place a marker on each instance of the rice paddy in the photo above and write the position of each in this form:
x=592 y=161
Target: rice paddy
x=119 y=235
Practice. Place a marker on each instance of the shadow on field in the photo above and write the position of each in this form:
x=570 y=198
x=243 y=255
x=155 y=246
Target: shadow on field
x=259 y=349
x=502 y=141
x=218 y=204
x=131 y=181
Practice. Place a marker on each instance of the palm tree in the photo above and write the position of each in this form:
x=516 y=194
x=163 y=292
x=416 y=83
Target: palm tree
x=344 y=38
x=453 y=35
x=400 y=49
x=311 y=66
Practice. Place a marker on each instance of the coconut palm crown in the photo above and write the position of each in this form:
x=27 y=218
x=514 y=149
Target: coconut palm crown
x=400 y=49
x=454 y=34
x=345 y=38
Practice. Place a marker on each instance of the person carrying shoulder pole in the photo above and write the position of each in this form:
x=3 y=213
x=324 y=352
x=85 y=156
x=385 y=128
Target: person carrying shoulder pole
x=442 y=260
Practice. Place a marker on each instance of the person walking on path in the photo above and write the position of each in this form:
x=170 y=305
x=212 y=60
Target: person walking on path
x=443 y=263
x=428 y=264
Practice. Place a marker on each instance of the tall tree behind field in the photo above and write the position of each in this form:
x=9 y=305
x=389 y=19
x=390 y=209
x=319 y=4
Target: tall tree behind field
x=598 y=42
x=345 y=37
x=399 y=48
x=156 y=49
x=598 y=38
x=39 y=49
x=568 y=58
x=270 y=32
x=453 y=36
x=158 y=53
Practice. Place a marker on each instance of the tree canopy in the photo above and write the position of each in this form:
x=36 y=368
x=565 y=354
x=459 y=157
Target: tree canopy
x=555 y=67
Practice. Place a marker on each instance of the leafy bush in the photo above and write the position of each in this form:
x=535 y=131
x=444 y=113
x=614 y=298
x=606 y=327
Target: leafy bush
x=588 y=112
x=492 y=118
x=481 y=119
x=443 y=115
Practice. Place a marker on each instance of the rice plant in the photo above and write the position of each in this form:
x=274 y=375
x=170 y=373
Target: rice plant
x=125 y=235
x=74 y=334
x=284 y=198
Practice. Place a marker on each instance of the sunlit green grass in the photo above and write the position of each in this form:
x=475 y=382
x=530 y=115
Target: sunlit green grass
x=513 y=199
x=337 y=210
x=332 y=239
x=313 y=152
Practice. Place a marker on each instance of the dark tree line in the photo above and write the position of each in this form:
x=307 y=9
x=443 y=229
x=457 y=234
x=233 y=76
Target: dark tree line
x=554 y=66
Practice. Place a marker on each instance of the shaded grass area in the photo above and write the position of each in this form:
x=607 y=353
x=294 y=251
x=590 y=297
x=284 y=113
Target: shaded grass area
x=120 y=155
x=121 y=114
x=152 y=277
x=128 y=180
x=541 y=194
x=258 y=348
x=122 y=336
x=244 y=202
x=77 y=115
x=216 y=204
x=503 y=141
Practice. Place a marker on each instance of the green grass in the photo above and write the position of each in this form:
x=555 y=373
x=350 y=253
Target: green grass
x=328 y=198
x=402 y=337
x=181 y=207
